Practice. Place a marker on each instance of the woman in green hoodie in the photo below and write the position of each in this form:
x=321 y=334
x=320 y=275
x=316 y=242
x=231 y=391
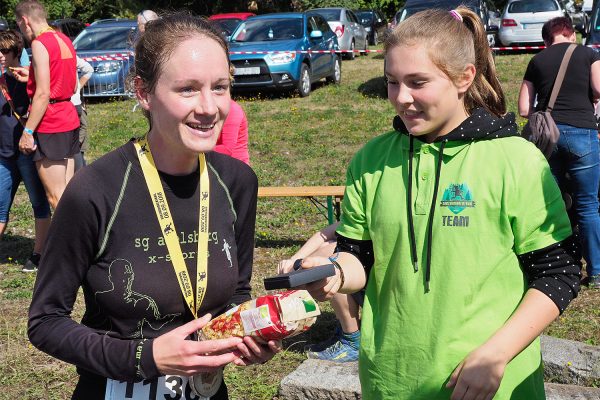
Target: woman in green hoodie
x=456 y=227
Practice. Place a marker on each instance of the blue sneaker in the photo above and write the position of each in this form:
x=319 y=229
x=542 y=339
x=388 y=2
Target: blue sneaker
x=343 y=350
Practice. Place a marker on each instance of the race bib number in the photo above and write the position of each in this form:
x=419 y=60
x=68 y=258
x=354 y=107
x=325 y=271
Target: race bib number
x=170 y=387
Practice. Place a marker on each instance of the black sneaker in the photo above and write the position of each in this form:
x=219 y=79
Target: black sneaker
x=32 y=263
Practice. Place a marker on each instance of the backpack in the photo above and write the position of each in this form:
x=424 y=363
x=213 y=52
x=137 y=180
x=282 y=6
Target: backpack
x=541 y=128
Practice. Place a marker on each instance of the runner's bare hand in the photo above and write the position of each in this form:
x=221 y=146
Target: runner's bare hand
x=174 y=354
x=323 y=289
x=27 y=143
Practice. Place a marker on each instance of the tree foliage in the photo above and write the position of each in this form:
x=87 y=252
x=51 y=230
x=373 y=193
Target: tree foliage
x=89 y=10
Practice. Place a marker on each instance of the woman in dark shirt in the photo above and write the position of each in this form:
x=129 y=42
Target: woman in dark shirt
x=576 y=154
x=157 y=232
x=14 y=165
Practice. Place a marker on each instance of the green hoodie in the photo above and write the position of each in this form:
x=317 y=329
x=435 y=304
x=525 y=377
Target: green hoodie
x=446 y=274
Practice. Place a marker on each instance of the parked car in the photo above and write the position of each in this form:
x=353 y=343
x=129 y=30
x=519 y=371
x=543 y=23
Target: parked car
x=69 y=26
x=375 y=24
x=522 y=21
x=350 y=33
x=108 y=46
x=593 y=27
x=586 y=7
x=484 y=8
x=576 y=14
x=229 y=21
x=294 y=35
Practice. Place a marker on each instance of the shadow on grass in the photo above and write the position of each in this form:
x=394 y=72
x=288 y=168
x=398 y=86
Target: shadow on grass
x=320 y=331
x=106 y=99
x=277 y=243
x=514 y=52
x=16 y=247
x=374 y=88
x=271 y=94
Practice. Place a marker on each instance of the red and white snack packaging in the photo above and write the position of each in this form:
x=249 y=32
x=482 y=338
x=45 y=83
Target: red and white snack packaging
x=270 y=317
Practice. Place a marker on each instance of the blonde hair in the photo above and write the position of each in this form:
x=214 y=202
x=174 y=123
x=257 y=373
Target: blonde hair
x=452 y=44
x=33 y=9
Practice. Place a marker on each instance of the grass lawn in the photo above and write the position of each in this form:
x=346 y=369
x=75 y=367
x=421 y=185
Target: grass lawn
x=293 y=141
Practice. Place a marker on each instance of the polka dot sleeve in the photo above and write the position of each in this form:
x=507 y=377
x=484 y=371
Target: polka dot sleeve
x=555 y=271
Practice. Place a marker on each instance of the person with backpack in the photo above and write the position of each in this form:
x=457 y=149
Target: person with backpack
x=576 y=153
x=456 y=226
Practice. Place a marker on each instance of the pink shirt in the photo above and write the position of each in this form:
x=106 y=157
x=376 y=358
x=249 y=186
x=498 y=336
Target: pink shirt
x=233 y=140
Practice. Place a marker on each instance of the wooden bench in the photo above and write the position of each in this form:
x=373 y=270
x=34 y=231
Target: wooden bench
x=334 y=195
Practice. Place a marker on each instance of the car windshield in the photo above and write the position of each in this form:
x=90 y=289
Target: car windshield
x=407 y=12
x=268 y=29
x=228 y=24
x=364 y=16
x=330 y=15
x=596 y=20
x=106 y=38
x=415 y=7
x=532 y=6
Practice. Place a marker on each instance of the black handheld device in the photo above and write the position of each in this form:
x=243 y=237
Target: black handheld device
x=299 y=276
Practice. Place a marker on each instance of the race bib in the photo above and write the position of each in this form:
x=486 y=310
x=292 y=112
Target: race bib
x=170 y=387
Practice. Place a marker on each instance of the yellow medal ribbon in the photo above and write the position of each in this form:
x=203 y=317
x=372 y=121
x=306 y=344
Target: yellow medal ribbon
x=170 y=235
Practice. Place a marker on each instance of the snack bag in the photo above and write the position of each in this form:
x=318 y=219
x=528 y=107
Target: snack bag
x=270 y=317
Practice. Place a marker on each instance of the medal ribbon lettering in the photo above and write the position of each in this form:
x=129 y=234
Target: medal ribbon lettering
x=170 y=235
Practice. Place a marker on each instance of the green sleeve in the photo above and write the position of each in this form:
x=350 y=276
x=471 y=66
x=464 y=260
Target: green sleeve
x=535 y=206
x=354 y=217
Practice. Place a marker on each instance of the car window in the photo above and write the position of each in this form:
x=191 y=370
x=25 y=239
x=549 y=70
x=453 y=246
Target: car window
x=596 y=20
x=312 y=25
x=322 y=24
x=364 y=16
x=532 y=6
x=228 y=24
x=329 y=15
x=407 y=12
x=104 y=39
x=268 y=29
x=351 y=16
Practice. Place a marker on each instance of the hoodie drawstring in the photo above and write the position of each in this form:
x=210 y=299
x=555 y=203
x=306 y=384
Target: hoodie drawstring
x=411 y=226
x=413 y=246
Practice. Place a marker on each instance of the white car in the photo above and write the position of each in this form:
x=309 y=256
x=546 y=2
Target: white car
x=522 y=21
x=351 y=35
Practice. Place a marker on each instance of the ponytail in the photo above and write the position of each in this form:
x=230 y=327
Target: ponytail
x=455 y=39
x=486 y=90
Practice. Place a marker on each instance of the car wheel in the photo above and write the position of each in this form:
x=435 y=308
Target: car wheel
x=351 y=55
x=304 y=84
x=336 y=75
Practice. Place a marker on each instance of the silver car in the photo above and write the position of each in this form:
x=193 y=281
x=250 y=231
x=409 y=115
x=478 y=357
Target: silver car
x=350 y=33
x=522 y=21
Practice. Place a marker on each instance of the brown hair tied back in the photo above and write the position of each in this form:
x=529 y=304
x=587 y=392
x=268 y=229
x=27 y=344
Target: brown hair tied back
x=452 y=45
x=161 y=37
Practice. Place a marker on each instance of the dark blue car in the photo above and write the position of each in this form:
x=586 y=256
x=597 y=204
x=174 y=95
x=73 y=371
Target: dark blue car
x=284 y=51
x=108 y=46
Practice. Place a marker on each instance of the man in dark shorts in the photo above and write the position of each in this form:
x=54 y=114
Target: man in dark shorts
x=51 y=128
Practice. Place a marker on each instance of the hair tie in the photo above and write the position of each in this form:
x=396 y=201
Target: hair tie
x=456 y=15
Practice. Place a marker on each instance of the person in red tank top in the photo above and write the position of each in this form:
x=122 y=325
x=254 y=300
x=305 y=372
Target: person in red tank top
x=51 y=128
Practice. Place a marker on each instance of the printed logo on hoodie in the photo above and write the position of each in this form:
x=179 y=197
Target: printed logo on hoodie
x=457 y=197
